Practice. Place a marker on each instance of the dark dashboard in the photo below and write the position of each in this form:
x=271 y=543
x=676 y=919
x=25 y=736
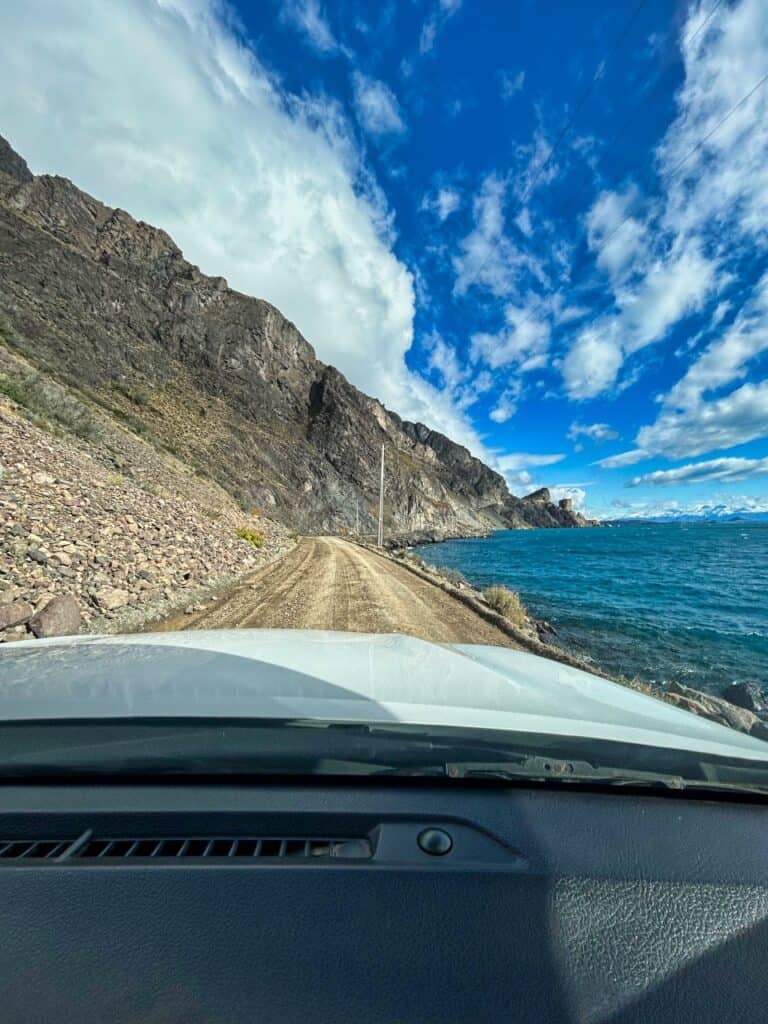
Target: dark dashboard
x=409 y=901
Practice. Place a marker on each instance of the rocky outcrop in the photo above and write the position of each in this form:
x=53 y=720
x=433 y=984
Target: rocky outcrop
x=717 y=709
x=750 y=696
x=538 y=510
x=109 y=306
x=12 y=165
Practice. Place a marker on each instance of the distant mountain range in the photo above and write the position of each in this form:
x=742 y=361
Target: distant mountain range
x=721 y=513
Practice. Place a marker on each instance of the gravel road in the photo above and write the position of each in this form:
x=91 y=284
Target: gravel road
x=328 y=583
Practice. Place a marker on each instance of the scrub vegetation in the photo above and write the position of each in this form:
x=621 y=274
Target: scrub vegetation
x=254 y=537
x=507 y=603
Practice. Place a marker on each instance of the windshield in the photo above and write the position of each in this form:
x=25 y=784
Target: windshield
x=386 y=383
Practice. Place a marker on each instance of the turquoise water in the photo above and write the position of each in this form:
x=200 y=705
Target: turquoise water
x=662 y=602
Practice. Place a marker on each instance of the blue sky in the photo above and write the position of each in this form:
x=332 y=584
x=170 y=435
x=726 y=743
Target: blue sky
x=528 y=225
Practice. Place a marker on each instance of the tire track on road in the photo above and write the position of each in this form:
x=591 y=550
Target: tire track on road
x=328 y=583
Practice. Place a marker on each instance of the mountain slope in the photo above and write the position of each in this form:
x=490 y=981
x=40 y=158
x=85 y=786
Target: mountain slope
x=109 y=306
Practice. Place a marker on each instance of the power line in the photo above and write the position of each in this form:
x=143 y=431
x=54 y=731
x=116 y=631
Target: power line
x=648 y=95
x=703 y=25
x=380 y=537
x=594 y=253
x=599 y=72
x=694 y=149
x=619 y=134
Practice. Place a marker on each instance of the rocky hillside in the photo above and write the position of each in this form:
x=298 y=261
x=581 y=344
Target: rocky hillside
x=101 y=531
x=109 y=307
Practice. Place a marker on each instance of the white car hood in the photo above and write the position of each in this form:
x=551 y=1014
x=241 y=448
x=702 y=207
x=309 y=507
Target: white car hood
x=347 y=677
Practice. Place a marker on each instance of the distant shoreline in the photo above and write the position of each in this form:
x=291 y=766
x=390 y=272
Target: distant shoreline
x=758 y=519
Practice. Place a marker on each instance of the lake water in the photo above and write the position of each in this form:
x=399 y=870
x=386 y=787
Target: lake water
x=661 y=602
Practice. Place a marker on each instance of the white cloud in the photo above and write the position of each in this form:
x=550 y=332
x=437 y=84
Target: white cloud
x=691 y=421
x=623 y=459
x=515 y=465
x=506 y=406
x=443 y=359
x=616 y=247
x=308 y=17
x=524 y=222
x=523 y=343
x=593 y=360
x=486 y=255
x=721 y=67
x=377 y=107
x=443 y=10
x=515 y=468
x=459 y=390
x=731 y=469
x=727 y=358
x=510 y=83
x=734 y=419
x=519 y=481
x=670 y=290
x=442 y=203
x=594 y=431
x=181 y=125
x=514 y=461
x=713 y=204
x=468 y=392
x=535 y=166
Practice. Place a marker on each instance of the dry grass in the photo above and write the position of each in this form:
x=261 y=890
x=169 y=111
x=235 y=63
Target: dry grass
x=507 y=603
x=453 y=576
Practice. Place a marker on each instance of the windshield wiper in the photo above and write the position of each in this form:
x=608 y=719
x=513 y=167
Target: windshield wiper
x=552 y=768
x=547 y=769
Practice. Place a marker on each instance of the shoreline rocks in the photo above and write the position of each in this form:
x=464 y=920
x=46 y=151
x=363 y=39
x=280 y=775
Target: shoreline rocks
x=717 y=709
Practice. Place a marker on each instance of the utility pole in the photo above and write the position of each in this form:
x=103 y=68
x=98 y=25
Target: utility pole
x=381 y=502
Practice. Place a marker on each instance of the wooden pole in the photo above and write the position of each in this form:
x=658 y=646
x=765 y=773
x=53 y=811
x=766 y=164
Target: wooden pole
x=381 y=502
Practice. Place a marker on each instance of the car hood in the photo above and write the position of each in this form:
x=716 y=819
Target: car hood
x=340 y=677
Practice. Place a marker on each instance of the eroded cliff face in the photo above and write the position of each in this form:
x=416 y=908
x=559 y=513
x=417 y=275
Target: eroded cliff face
x=109 y=306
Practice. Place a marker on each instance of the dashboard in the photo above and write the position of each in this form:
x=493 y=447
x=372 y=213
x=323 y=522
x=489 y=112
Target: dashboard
x=410 y=901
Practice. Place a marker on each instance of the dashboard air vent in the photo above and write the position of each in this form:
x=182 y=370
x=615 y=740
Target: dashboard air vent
x=219 y=848
x=28 y=849
x=223 y=848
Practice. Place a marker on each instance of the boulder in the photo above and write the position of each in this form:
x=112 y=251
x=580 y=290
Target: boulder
x=715 y=708
x=11 y=637
x=14 y=614
x=759 y=729
x=60 y=617
x=111 y=598
x=746 y=695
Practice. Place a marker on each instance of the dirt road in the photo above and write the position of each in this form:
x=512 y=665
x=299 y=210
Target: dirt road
x=327 y=583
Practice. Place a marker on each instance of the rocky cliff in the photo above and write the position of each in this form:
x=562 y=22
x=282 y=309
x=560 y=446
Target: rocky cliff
x=109 y=307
